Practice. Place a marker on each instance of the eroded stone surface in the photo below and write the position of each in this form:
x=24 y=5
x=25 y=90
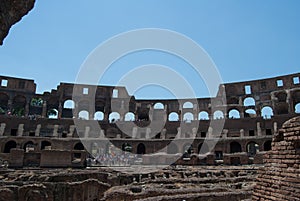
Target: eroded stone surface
x=12 y=11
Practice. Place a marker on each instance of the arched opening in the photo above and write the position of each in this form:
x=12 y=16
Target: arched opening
x=297 y=108
x=188 y=117
x=84 y=115
x=99 y=116
x=187 y=105
x=235 y=147
x=113 y=117
x=141 y=149
x=234 y=114
x=3 y=103
x=268 y=145
x=203 y=148
x=9 y=145
x=158 y=106
x=267 y=112
x=218 y=114
x=250 y=113
x=173 y=116
x=52 y=114
x=129 y=116
x=249 y=102
x=281 y=97
x=126 y=147
x=79 y=146
x=172 y=148
x=45 y=145
x=188 y=148
x=69 y=104
x=28 y=146
x=19 y=103
x=252 y=148
x=203 y=115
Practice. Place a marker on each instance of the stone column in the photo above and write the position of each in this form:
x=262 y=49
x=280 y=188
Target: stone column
x=37 y=130
x=71 y=131
x=259 y=133
x=20 y=130
x=2 y=128
x=27 y=104
x=55 y=131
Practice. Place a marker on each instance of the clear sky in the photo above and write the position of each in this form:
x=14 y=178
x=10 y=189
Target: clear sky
x=246 y=39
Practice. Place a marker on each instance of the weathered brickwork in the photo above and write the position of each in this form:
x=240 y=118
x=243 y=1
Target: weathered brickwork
x=280 y=178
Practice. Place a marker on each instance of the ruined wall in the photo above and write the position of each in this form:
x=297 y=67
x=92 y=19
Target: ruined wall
x=280 y=178
x=12 y=11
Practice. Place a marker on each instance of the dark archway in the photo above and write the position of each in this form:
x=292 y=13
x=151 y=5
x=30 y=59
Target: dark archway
x=9 y=145
x=79 y=146
x=252 y=148
x=268 y=145
x=141 y=149
x=235 y=147
x=28 y=146
x=45 y=145
x=126 y=147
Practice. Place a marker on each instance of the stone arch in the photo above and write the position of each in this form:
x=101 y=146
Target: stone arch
x=141 y=149
x=250 y=113
x=203 y=148
x=79 y=146
x=114 y=116
x=188 y=148
x=297 y=108
x=28 y=146
x=127 y=147
x=267 y=112
x=252 y=148
x=268 y=145
x=129 y=116
x=45 y=145
x=99 y=116
x=9 y=145
x=3 y=103
x=187 y=105
x=83 y=114
x=52 y=113
x=172 y=148
x=281 y=96
x=188 y=117
x=159 y=106
x=218 y=114
x=173 y=116
x=249 y=101
x=234 y=114
x=203 y=115
x=18 y=107
x=69 y=104
x=235 y=147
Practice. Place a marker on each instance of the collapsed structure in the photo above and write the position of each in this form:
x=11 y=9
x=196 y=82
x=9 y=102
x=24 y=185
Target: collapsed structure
x=44 y=129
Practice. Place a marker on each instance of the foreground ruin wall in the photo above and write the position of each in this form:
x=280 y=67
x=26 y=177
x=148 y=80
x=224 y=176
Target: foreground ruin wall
x=280 y=178
x=12 y=11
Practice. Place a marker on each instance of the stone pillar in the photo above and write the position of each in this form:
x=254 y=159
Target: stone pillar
x=148 y=133
x=59 y=110
x=289 y=101
x=71 y=131
x=225 y=133
x=194 y=132
x=259 y=133
x=178 y=133
x=37 y=130
x=26 y=112
x=242 y=133
x=210 y=132
x=87 y=131
x=55 y=131
x=275 y=127
x=20 y=130
x=134 y=132
x=163 y=134
x=44 y=111
x=102 y=135
x=2 y=128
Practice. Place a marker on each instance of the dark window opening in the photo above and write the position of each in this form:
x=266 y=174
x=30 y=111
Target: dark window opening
x=31 y=133
x=13 y=132
x=251 y=133
x=219 y=155
x=203 y=134
x=268 y=131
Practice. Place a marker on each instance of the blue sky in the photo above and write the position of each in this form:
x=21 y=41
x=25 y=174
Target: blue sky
x=246 y=39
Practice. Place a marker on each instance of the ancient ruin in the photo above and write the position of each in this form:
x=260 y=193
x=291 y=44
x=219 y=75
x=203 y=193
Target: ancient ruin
x=60 y=130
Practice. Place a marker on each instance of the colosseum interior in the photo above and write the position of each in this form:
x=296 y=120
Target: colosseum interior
x=55 y=143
